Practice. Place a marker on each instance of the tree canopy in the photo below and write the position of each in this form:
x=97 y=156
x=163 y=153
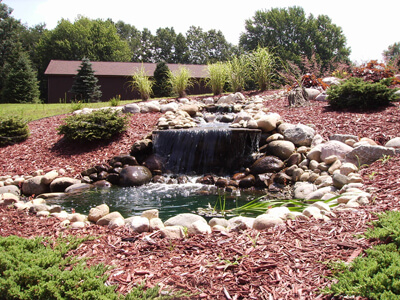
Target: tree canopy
x=392 y=55
x=293 y=36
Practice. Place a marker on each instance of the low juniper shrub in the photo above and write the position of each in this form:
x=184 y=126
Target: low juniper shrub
x=101 y=124
x=13 y=130
x=357 y=93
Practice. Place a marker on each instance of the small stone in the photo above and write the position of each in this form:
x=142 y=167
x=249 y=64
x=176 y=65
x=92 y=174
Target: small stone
x=104 y=221
x=98 y=212
x=199 y=227
x=78 y=225
x=43 y=213
x=265 y=221
x=172 y=232
x=155 y=224
x=115 y=223
x=138 y=224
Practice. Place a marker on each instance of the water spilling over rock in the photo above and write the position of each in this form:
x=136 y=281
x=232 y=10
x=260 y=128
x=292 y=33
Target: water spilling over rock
x=204 y=150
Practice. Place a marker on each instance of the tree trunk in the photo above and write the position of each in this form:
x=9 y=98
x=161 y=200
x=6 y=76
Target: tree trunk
x=298 y=97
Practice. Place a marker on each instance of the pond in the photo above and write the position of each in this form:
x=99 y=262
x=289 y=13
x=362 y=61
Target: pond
x=169 y=199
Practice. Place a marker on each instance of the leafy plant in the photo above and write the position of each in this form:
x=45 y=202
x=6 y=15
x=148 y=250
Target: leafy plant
x=142 y=83
x=13 y=130
x=162 y=87
x=356 y=93
x=76 y=105
x=217 y=77
x=254 y=240
x=180 y=81
x=385 y=158
x=377 y=274
x=99 y=125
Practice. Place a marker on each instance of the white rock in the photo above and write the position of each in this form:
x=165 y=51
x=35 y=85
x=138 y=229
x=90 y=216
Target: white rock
x=150 y=214
x=313 y=211
x=172 y=232
x=185 y=219
x=138 y=224
x=49 y=177
x=348 y=168
x=241 y=222
x=115 y=223
x=77 y=225
x=278 y=212
x=322 y=206
x=394 y=143
x=334 y=147
x=43 y=213
x=319 y=193
x=302 y=189
x=172 y=106
x=104 y=221
x=199 y=227
x=155 y=224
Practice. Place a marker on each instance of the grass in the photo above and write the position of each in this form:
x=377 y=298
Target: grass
x=31 y=112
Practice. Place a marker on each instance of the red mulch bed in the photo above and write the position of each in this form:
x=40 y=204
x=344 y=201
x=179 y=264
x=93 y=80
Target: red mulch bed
x=288 y=262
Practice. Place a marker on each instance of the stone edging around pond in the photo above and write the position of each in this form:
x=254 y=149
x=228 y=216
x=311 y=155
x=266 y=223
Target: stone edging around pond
x=317 y=169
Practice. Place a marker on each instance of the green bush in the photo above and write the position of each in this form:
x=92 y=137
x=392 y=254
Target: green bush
x=162 y=86
x=101 y=124
x=38 y=269
x=13 y=130
x=377 y=275
x=115 y=101
x=356 y=93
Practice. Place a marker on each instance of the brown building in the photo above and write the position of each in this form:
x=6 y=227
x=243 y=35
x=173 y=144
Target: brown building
x=113 y=78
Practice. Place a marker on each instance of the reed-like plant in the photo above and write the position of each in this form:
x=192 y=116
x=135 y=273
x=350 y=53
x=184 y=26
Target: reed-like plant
x=238 y=72
x=142 y=83
x=217 y=77
x=263 y=67
x=180 y=80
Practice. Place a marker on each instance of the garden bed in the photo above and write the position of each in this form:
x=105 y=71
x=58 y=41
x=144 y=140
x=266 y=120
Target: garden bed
x=282 y=263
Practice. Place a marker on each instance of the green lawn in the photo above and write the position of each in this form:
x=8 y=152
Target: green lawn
x=33 y=112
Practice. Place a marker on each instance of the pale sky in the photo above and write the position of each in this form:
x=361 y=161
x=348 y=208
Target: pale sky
x=369 y=26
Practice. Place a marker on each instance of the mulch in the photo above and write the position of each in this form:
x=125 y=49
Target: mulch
x=286 y=262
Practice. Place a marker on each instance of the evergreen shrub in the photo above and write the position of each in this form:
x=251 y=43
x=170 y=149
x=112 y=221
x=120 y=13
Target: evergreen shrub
x=101 y=124
x=13 y=130
x=162 y=86
x=357 y=93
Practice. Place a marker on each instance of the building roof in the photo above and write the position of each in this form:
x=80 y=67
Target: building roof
x=107 y=68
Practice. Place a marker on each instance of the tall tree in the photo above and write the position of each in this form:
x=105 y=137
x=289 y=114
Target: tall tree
x=20 y=84
x=292 y=36
x=392 y=55
x=85 y=86
x=181 y=55
x=164 y=45
x=162 y=86
x=133 y=37
x=196 y=43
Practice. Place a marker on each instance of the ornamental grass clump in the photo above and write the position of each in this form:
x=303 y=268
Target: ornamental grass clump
x=217 y=77
x=102 y=124
x=238 y=72
x=357 y=93
x=13 y=130
x=180 y=80
x=142 y=83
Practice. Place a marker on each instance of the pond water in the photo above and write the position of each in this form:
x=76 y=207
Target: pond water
x=169 y=199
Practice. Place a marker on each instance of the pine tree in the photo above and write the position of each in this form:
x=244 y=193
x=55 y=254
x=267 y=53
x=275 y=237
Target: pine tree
x=85 y=86
x=20 y=84
x=162 y=86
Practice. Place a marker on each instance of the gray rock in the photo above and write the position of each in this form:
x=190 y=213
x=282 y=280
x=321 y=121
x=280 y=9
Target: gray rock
x=339 y=180
x=334 y=147
x=241 y=223
x=79 y=187
x=343 y=137
x=185 y=219
x=218 y=221
x=34 y=186
x=199 y=227
x=300 y=135
x=61 y=183
x=331 y=80
x=266 y=164
x=319 y=193
x=138 y=224
x=151 y=106
x=281 y=149
x=322 y=97
x=134 y=176
x=366 y=154
x=312 y=93
x=131 y=108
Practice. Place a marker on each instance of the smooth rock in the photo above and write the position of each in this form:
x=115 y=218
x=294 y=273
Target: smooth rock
x=280 y=148
x=10 y=189
x=199 y=227
x=98 y=212
x=104 y=221
x=218 y=221
x=34 y=186
x=339 y=180
x=240 y=223
x=312 y=93
x=76 y=217
x=61 y=183
x=155 y=224
x=77 y=225
x=268 y=122
x=115 y=223
x=49 y=177
x=135 y=176
x=343 y=137
x=150 y=214
x=172 y=232
x=348 y=168
x=302 y=189
x=185 y=219
x=319 y=193
x=278 y=212
x=267 y=164
x=334 y=147
x=313 y=211
x=138 y=224
x=394 y=143
x=366 y=154
x=265 y=221
x=8 y=198
x=131 y=108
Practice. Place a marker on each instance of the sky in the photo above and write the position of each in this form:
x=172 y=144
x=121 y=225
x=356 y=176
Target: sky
x=369 y=26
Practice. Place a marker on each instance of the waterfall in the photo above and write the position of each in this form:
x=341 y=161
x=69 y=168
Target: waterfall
x=205 y=150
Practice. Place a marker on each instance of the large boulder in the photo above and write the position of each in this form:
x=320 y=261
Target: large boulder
x=134 y=176
x=268 y=122
x=132 y=108
x=335 y=147
x=366 y=154
x=151 y=106
x=281 y=149
x=185 y=220
x=300 y=135
x=267 y=164
x=34 y=186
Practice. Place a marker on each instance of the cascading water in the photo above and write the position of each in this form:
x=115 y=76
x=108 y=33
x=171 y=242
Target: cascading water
x=205 y=150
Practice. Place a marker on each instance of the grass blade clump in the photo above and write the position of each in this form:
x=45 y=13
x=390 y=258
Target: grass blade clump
x=217 y=77
x=142 y=83
x=180 y=80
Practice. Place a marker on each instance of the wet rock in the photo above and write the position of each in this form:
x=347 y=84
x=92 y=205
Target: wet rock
x=154 y=162
x=142 y=148
x=134 y=176
x=238 y=176
x=158 y=179
x=121 y=160
x=247 y=181
x=113 y=178
x=222 y=182
x=294 y=159
x=61 y=183
x=78 y=187
x=266 y=164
